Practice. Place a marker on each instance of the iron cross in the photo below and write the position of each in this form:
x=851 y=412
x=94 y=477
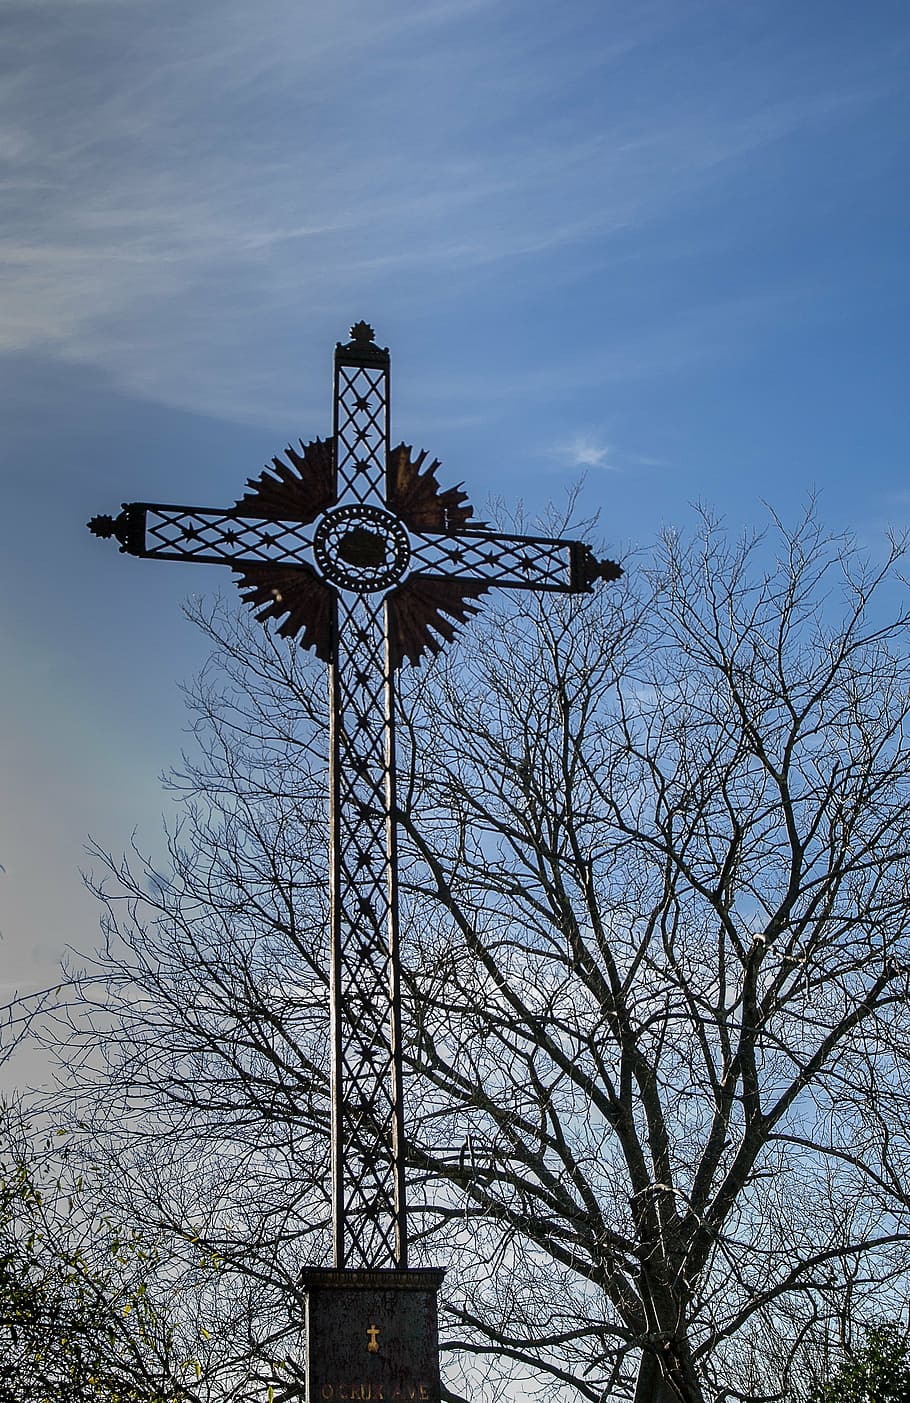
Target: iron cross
x=354 y=548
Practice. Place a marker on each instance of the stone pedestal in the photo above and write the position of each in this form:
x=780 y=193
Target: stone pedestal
x=372 y=1336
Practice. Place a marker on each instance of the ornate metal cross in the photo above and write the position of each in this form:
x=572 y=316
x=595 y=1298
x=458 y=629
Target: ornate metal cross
x=356 y=550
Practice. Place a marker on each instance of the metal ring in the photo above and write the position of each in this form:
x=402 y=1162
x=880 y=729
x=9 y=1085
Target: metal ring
x=361 y=548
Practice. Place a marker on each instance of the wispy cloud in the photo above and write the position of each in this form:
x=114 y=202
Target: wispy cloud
x=200 y=179
x=585 y=451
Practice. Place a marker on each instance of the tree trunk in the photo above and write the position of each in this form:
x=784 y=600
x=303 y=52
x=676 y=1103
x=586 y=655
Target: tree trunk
x=652 y=1387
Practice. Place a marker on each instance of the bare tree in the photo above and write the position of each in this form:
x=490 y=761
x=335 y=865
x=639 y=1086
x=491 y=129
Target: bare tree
x=656 y=853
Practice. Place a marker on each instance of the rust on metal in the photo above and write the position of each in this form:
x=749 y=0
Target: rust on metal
x=423 y=607
x=299 y=489
x=416 y=496
x=296 y=596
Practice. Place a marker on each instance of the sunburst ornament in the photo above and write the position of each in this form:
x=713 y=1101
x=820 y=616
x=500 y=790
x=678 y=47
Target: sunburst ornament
x=363 y=549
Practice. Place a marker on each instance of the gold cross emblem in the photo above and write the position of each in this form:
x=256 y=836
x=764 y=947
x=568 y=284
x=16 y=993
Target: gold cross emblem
x=373 y=1333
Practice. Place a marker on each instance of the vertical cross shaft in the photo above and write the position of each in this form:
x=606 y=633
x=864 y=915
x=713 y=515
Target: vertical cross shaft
x=367 y=1183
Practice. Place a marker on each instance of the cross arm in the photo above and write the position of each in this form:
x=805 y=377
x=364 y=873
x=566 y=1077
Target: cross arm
x=514 y=562
x=159 y=531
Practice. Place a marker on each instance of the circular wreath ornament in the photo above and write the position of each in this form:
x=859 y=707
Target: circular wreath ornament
x=361 y=548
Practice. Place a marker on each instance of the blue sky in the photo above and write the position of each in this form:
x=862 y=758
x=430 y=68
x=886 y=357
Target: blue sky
x=662 y=244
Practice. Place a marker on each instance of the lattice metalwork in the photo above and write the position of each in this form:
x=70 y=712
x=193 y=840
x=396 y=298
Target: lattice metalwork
x=355 y=550
x=367 y=553
x=222 y=538
x=368 y=1114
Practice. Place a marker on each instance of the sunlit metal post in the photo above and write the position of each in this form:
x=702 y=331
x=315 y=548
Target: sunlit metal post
x=364 y=543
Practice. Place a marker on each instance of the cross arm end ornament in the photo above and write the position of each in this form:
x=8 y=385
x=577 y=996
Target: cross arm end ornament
x=586 y=569
x=128 y=528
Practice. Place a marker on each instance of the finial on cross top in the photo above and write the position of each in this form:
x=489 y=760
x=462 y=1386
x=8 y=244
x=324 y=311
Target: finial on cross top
x=362 y=331
x=362 y=348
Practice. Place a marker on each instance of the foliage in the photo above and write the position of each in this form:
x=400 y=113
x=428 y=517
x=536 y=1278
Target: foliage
x=656 y=941
x=77 y=1319
x=879 y=1372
